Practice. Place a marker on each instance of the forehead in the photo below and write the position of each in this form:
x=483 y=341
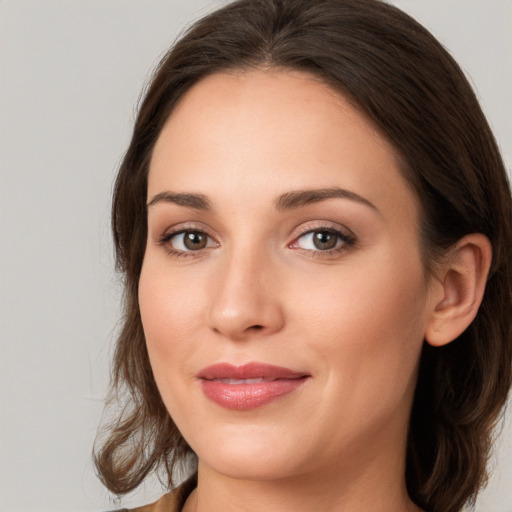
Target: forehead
x=263 y=104
x=269 y=132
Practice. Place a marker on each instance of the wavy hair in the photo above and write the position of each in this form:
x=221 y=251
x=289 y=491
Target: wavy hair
x=395 y=72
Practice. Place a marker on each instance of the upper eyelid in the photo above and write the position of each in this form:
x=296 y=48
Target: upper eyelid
x=345 y=236
x=187 y=226
x=324 y=225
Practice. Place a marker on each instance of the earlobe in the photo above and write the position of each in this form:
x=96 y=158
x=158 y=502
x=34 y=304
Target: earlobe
x=459 y=289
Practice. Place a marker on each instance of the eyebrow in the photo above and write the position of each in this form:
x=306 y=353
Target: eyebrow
x=299 y=198
x=195 y=201
x=288 y=201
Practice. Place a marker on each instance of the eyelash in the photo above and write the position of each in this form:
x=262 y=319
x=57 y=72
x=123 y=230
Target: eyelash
x=165 y=241
x=348 y=240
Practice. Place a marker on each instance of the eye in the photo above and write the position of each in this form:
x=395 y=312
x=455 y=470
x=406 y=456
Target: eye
x=322 y=239
x=188 y=241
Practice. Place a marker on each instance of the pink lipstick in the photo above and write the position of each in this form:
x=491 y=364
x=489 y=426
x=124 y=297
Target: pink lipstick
x=248 y=386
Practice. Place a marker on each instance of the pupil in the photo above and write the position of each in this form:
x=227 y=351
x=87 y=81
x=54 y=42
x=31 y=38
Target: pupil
x=194 y=241
x=324 y=240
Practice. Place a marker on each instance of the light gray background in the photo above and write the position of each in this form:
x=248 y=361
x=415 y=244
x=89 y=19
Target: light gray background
x=70 y=76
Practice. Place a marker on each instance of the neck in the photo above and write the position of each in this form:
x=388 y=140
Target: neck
x=378 y=486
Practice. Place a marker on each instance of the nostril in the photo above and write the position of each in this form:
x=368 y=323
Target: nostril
x=256 y=327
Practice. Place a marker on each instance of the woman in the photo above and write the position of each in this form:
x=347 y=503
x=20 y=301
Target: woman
x=314 y=223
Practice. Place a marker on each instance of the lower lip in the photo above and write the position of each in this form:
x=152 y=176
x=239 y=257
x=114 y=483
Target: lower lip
x=247 y=396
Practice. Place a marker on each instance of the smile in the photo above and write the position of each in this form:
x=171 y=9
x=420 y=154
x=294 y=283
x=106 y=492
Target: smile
x=242 y=381
x=248 y=386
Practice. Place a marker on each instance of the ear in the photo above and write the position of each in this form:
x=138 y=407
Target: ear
x=458 y=289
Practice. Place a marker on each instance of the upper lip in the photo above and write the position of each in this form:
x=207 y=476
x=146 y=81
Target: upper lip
x=248 y=371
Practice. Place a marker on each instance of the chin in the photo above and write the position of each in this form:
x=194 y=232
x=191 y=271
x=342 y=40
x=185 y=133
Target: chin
x=250 y=455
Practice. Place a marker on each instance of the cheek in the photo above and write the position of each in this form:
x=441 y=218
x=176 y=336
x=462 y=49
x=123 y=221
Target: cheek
x=360 y=330
x=171 y=298
x=375 y=293
x=170 y=310
x=172 y=307
x=367 y=329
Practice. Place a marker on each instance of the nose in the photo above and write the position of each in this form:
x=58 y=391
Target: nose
x=246 y=302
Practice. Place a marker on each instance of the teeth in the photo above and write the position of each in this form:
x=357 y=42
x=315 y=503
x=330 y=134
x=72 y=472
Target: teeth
x=242 y=381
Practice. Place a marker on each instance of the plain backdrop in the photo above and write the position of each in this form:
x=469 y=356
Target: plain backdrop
x=70 y=76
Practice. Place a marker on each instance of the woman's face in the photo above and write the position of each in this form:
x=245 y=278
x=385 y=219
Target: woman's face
x=282 y=293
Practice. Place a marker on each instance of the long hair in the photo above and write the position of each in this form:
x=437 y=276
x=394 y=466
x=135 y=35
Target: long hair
x=396 y=73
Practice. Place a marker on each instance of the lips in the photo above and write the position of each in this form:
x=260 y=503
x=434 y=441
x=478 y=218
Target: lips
x=248 y=386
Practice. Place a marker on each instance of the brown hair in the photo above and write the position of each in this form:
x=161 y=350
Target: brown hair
x=397 y=74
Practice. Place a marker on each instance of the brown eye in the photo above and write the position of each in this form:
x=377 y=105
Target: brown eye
x=325 y=240
x=188 y=241
x=194 y=240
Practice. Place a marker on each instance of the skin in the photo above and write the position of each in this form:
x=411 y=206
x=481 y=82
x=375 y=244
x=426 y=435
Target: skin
x=354 y=319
